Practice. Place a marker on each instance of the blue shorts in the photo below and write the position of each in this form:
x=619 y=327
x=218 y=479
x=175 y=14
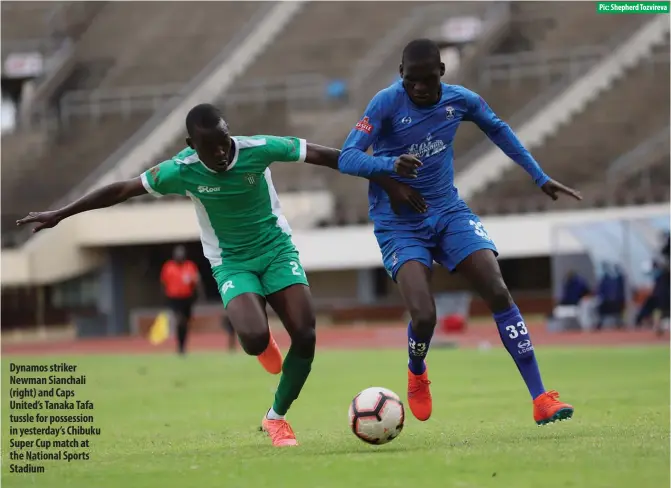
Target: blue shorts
x=448 y=237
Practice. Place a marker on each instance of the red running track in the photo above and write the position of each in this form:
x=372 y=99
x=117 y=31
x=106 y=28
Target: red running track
x=340 y=338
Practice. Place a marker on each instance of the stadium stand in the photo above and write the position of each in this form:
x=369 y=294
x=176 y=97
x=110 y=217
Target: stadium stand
x=110 y=60
x=579 y=154
x=541 y=54
x=38 y=23
x=171 y=48
x=544 y=47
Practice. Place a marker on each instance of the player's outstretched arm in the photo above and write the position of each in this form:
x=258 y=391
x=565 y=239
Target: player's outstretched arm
x=399 y=193
x=106 y=196
x=322 y=156
x=503 y=136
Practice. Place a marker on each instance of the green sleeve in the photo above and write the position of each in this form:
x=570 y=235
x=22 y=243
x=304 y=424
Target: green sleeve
x=163 y=179
x=286 y=149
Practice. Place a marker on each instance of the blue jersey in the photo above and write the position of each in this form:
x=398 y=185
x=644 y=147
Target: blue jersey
x=394 y=125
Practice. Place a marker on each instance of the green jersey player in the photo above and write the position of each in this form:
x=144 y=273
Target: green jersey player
x=244 y=236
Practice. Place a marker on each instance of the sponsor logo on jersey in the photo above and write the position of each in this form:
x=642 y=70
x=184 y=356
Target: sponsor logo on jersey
x=227 y=286
x=208 y=189
x=429 y=147
x=449 y=112
x=364 y=125
x=251 y=178
x=406 y=120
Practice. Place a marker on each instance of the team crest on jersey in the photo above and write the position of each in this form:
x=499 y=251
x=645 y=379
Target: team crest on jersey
x=251 y=178
x=406 y=120
x=449 y=112
x=154 y=172
x=364 y=125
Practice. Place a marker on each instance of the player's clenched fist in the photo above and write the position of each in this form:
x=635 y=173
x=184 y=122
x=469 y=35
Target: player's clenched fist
x=406 y=166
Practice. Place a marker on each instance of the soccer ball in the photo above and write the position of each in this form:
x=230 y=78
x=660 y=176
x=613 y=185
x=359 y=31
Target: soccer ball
x=376 y=415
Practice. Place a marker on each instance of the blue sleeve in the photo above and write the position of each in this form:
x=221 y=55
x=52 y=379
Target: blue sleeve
x=353 y=158
x=502 y=135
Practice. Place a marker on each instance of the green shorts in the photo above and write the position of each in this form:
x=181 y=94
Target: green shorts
x=263 y=275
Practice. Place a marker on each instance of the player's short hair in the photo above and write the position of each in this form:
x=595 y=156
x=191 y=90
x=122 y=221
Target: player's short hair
x=203 y=116
x=421 y=50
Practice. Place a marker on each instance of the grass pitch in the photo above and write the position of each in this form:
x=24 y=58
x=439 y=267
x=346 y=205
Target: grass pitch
x=192 y=422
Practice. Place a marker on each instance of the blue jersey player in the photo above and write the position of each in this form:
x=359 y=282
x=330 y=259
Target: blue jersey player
x=411 y=126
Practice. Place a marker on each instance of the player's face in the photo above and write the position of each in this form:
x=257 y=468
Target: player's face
x=213 y=147
x=421 y=81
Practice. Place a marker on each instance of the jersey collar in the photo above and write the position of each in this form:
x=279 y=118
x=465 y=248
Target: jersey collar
x=236 y=153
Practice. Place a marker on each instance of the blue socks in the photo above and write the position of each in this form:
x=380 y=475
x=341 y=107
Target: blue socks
x=515 y=338
x=418 y=348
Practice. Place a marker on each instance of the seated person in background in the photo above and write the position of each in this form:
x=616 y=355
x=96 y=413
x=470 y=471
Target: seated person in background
x=610 y=297
x=662 y=290
x=575 y=289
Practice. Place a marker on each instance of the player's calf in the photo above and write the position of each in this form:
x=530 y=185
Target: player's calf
x=413 y=278
x=295 y=371
x=517 y=341
x=419 y=339
x=294 y=307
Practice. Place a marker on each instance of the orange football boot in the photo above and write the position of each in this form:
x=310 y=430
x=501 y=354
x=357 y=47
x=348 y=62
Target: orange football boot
x=279 y=431
x=548 y=408
x=419 y=395
x=271 y=358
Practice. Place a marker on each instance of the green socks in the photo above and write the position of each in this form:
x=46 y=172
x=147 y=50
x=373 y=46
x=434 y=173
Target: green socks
x=295 y=371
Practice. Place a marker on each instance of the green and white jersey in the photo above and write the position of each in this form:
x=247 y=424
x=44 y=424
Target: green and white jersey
x=238 y=210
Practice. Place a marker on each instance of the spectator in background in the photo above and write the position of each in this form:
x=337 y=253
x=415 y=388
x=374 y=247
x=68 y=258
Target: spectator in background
x=659 y=297
x=620 y=292
x=181 y=282
x=647 y=310
x=575 y=289
x=610 y=297
x=662 y=288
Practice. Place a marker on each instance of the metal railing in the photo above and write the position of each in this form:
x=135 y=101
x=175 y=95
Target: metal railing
x=126 y=101
x=539 y=64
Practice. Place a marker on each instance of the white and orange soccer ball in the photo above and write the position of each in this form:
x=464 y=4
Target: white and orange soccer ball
x=376 y=415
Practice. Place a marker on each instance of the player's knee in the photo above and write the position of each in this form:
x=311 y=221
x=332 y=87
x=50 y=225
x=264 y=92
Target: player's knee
x=304 y=339
x=498 y=297
x=423 y=318
x=254 y=342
